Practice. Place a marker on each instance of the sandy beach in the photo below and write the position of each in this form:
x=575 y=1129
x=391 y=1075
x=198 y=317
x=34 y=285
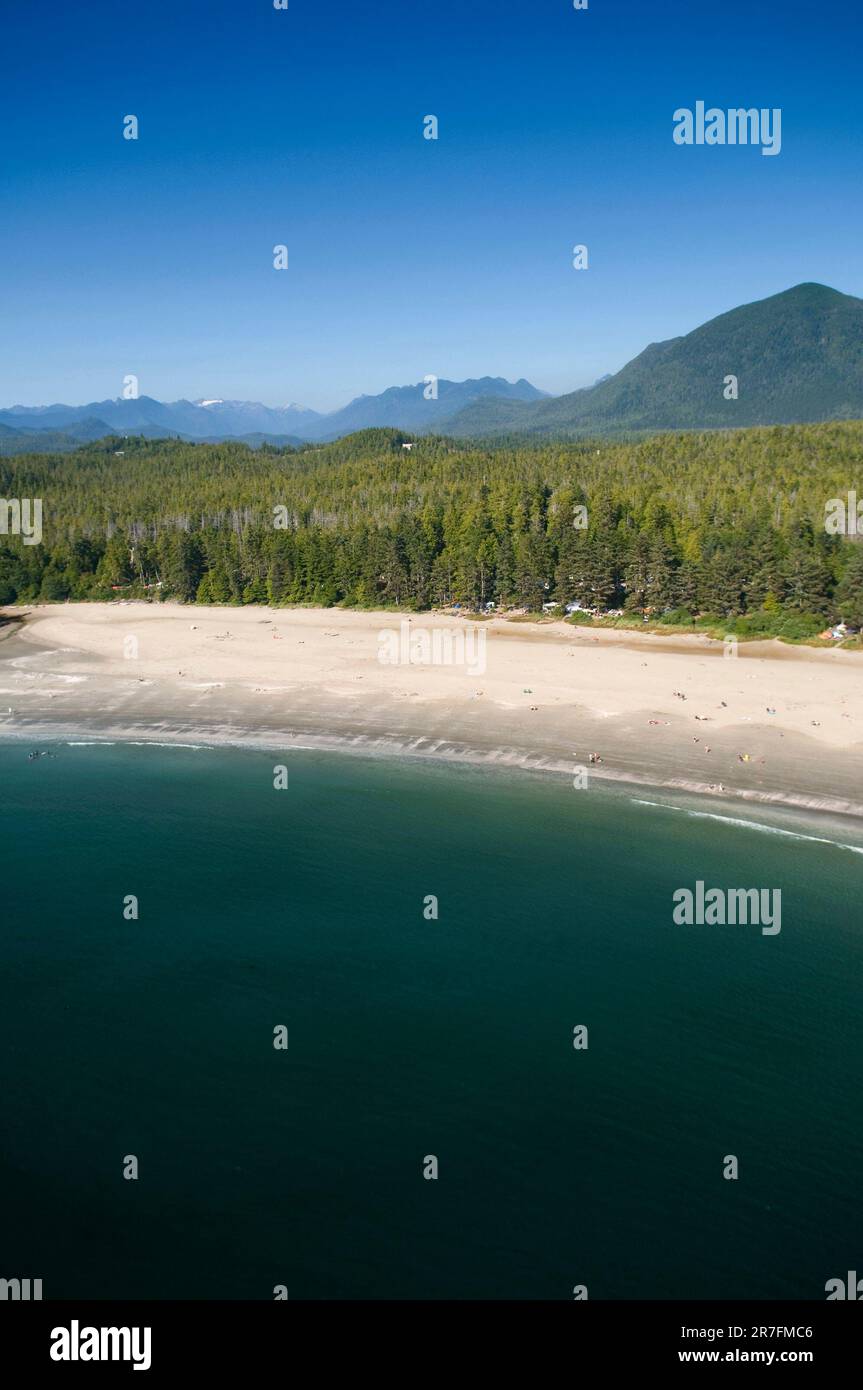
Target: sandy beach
x=770 y=723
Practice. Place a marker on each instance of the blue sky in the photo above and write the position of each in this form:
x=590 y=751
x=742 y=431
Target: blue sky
x=407 y=256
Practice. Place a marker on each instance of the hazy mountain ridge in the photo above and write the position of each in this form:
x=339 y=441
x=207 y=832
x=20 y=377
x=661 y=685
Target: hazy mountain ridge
x=399 y=407
x=143 y=414
x=50 y=441
x=407 y=408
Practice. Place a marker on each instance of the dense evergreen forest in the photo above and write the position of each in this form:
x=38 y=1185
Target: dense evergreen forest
x=725 y=523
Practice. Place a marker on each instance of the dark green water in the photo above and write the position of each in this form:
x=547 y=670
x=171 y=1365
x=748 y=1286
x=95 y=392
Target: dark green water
x=411 y=1037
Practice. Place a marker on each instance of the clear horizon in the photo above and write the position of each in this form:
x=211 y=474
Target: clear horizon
x=407 y=256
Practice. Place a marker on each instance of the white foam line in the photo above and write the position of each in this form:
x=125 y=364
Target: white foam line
x=748 y=824
x=152 y=743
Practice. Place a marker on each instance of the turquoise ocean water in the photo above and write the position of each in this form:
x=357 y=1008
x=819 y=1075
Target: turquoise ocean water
x=411 y=1037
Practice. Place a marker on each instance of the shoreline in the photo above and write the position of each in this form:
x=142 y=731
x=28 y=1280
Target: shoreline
x=92 y=734
x=662 y=713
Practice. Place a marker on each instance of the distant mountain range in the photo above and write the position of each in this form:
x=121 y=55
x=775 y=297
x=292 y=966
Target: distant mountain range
x=796 y=357
x=403 y=407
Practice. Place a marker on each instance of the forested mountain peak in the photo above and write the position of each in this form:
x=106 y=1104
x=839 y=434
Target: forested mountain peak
x=794 y=357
